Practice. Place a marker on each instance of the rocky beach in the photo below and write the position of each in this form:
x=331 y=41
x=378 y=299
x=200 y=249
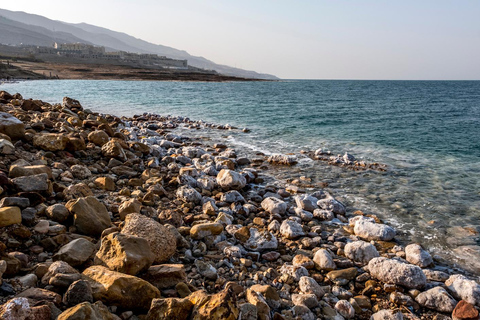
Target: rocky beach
x=107 y=217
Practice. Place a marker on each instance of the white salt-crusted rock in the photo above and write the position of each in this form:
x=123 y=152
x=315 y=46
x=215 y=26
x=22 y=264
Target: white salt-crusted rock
x=331 y=204
x=308 y=300
x=387 y=315
x=360 y=251
x=229 y=179
x=309 y=285
x=463 y=288
x=323 y=260
x=260 y=241
x=437 y=299
x=188 y=194
x=291 y=229
x=396 y=272
x=415 y=254
x=296 y=272
x=306 y=202
x=274 y=206
x=345 y=308
x=373 y=231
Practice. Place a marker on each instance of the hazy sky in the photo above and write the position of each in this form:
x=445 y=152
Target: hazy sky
x=315 y=39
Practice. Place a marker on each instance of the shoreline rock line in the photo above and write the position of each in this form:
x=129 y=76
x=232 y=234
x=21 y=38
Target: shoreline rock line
x=104 y=217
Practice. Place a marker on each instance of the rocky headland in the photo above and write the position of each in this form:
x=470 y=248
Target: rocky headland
x=103 y=217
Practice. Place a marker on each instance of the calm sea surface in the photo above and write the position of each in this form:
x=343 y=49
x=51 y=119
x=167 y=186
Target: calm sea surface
x=427 y=132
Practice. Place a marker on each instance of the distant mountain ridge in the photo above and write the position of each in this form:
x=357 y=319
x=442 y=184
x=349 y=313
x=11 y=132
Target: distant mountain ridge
x=19 y=27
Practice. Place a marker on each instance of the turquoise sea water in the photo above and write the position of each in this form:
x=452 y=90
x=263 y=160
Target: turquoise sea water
x=427 y=132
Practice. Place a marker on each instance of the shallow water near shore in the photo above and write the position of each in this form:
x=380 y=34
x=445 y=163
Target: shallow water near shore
x=426 y=132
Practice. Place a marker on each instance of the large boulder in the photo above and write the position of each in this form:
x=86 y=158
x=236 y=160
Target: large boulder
x=360 y=251
x=162 y=242
x=11 y=126
x=124 y=253
x=373 y=231
x=50 y=141
x=396 y=272
x=229 y=179
x=90 y=216
x=119 y=289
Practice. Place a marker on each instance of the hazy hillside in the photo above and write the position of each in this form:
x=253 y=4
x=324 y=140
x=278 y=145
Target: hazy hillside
x=38 y=30
x=15 y=33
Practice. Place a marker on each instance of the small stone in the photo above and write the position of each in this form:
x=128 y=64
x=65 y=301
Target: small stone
x=387 y=315
x=373 y=231
x=57 y=212
x=274 y=206
x=170 y=309
x=360 y=251
x=50 y=141
x=291 y=229
x=229 y=179
x=10 y=216
x=323 y=260
x=78 y=292
x=415 y=254
x=89 y=216
x=76 y=252
x=202 y=230
x=345 y=309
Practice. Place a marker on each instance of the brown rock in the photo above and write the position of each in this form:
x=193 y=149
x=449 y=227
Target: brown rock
x=78 y=292
x=98 y=137
x=32 y=183
x=170 y=309
x=87 y=311
x=77 y=191
x=113 y=149
x=162 y=242
x=76 y=252
x=75 y=144
x=129 y=206
x=465 y=311
x=50 y=141
x=38 y=294
x=105 y=183
x=11 y=126
x=220 y=306
x=115 y=288
x=20 y=171
x=9 y=216
x=202 y=230
x=165 y=275
x=124 y=253
x=90 y=216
